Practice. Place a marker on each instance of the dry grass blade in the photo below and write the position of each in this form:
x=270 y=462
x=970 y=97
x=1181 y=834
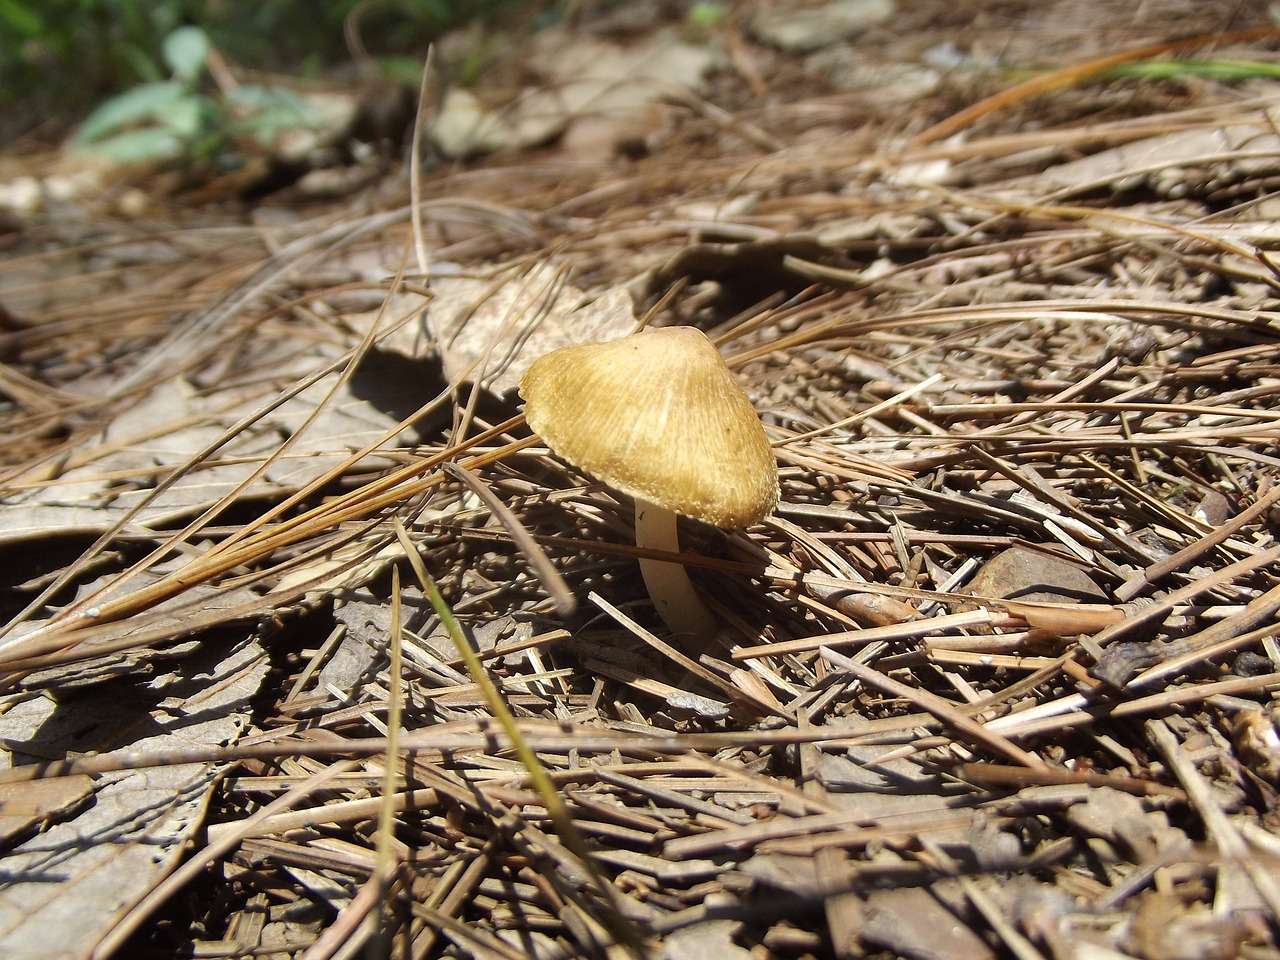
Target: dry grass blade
x=1220 y=828
x=551 y=579
x=378 y=925
x=1022 y=393
x=683 y=662
x=615 y=921
x=886 y=634
x=1193 y=551
x=1073 y=74
x=81 y=619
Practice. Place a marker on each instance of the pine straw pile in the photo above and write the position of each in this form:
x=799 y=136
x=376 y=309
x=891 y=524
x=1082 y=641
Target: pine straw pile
x=996 y=679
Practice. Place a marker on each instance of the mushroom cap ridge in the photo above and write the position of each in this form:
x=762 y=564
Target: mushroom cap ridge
x=659 y=416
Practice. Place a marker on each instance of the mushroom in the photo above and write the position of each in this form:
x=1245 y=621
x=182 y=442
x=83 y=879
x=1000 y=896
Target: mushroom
x=659 y=416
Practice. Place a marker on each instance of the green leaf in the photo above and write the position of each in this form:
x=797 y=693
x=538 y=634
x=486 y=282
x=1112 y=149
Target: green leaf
x=189 y=117
x=135 y=146
x=186 y=51
x=1224 y=69
x=143 y=104
x=252 y=96
x=140 y=61
x=20 y=19
x=269 y=111
x=402 y=69
x=707 y=14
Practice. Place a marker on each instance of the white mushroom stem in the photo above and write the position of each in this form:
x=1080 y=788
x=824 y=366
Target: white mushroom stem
x=668 y=583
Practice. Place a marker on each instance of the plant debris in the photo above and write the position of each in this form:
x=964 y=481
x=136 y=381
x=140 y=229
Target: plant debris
x=998 y=678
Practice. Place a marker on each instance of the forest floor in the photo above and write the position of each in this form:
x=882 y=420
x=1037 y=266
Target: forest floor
x=996 y=679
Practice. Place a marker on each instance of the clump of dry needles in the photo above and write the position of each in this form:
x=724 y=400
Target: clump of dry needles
x=996 y=679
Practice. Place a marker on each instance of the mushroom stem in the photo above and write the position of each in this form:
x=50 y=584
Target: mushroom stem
x=668 y=583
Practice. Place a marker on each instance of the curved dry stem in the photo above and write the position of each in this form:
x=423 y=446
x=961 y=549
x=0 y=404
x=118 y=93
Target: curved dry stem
x=668 y=583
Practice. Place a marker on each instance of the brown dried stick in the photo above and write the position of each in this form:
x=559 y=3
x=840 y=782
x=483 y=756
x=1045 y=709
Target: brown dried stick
x=1192 y=551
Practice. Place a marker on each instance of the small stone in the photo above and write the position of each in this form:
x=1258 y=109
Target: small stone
x=463 y=127
x=1251 y=664
x=1214 y=509
x=1019 y=573
x=21 y=195
x=880 y=84
x=799 y=31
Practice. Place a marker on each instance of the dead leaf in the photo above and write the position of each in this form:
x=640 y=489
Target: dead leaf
x=1065 y=619
x=72 y=883
x=584 y=78
x=24 y=806
x=711 y=938
x=491 y=330
x=1169 y=161
x=876 y=610
x=1129 y=823
x=1165 y=928
x=1258 y=743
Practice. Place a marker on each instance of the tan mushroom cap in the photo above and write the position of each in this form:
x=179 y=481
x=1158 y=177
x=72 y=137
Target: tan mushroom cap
x=659 y=416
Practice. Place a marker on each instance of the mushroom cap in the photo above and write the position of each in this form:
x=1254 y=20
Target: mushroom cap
x=659 y=416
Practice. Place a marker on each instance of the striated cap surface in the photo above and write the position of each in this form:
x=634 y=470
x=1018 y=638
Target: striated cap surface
x=659 y=416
